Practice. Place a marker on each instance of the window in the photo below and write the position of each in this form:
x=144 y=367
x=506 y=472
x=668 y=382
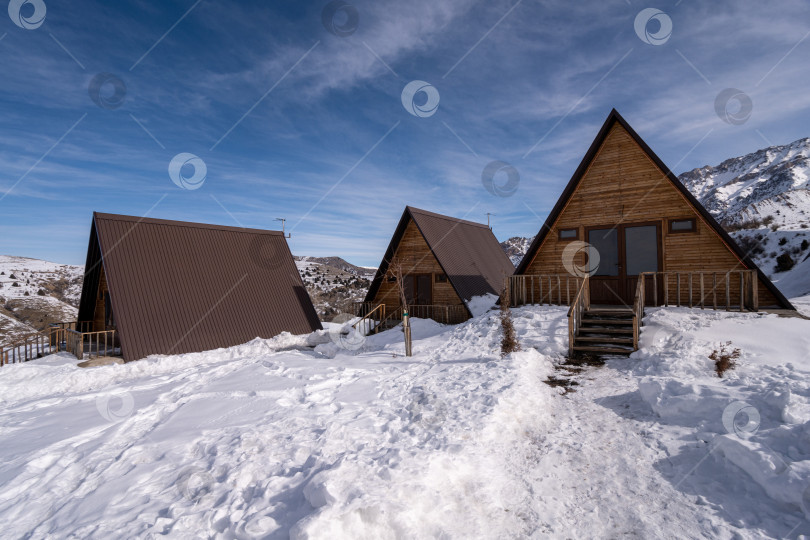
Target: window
x=568 y=234
x=687 y=225
x=440 y=278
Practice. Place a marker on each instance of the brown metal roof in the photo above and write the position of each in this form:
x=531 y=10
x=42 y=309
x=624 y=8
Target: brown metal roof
x=179 y=287
x=468 y=253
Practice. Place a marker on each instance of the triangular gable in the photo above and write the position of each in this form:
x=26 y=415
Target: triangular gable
x=615 y=118
x=467 y=252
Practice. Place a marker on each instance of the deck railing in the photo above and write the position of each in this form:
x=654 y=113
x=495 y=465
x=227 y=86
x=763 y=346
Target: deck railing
x=440 y=314
x=550 y=289
x=581 y=304
x=91 y=344
x=736 y=290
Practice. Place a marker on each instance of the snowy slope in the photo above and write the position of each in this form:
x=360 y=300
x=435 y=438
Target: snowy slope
x=62 y=281
x=763 y=199
x=275 y=439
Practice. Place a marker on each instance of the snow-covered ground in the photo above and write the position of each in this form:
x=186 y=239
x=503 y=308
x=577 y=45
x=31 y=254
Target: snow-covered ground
x=350 y=439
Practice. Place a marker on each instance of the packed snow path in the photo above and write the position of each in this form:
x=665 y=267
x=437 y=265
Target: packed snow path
x=274 y=440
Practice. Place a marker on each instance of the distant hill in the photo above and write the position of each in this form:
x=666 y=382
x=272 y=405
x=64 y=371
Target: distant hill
x=763 y=200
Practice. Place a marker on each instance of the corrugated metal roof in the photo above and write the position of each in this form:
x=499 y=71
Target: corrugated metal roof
x=468 y=253
x=179 y=287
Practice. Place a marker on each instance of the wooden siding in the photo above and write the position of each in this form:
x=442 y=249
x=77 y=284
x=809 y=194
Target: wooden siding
x=416 y=258
x=622 y=185
x=98 y=312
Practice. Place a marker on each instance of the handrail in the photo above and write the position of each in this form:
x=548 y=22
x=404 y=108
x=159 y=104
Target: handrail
x=581 y=304
x=367 y=323
x=638 y=309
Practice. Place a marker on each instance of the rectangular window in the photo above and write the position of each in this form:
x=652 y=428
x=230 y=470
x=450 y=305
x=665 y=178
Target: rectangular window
x=568 y=234
x=440 y=278
x=682 y=225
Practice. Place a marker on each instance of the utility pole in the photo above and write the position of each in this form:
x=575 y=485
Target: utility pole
x=283 y=222
x=488 y=225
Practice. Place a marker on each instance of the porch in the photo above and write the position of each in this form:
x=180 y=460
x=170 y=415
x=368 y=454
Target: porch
x=612 y=326
x=378 y=317
x=78 y=338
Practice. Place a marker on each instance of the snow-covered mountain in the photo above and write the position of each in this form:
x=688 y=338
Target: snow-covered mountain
x=770 y=184
x=516 y=247
x=763 y=200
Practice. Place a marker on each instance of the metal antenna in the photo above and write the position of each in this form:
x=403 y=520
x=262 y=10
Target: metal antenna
x=489 y=214
x=283 y=222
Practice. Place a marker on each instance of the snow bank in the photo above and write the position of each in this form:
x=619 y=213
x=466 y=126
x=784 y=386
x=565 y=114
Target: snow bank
x=757 y=417
x=478 y=305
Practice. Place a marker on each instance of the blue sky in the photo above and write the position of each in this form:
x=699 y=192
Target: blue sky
x=316 y=129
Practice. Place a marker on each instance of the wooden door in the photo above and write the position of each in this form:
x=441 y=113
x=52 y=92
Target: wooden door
x=624 y=251
x=642 y=253
x=607 y=285
x=419 y=289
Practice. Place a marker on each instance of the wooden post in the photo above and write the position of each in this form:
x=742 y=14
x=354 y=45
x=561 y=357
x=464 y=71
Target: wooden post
x=702 y=294
x=754 y=290
x=678 y=288
x=728 y=293
x=690 y=289
x=742 y=292
x=714 y=291
x=666 y=289
x=559 y=291
x=655 y=289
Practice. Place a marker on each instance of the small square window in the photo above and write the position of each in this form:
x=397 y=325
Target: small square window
x=440 y=278
x=682 y=225
x=568 y=234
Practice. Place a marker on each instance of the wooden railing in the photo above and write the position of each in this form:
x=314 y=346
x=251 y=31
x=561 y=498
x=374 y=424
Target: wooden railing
x=370 y=320
x=30 y=347
x=91 y=344
x=440 y=314
x=581 y=304
x=550 y=289
x=361 y=309
x=638 y=311
x=733 y=290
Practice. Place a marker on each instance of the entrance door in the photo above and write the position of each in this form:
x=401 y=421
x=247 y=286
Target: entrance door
x=624 y=251
x=419 y=289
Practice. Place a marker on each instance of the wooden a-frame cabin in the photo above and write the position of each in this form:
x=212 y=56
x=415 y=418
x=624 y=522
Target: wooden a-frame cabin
x=445 y=263
x=154 y=286
x=627 y=234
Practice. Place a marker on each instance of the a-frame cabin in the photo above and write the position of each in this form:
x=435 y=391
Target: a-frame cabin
x=155 y=286
x=626 y=207
x=445 y=262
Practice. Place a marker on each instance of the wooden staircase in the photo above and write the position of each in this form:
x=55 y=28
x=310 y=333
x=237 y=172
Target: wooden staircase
x=605 y=331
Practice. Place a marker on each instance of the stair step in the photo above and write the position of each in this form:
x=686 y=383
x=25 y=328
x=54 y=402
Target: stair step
x=586 y=320
x=610 y=312
x=599 y=330
x=603 y=350
x=598 y=339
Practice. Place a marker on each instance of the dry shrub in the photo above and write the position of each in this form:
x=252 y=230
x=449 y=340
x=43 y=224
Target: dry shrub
x=509 y=342
x=724 y=359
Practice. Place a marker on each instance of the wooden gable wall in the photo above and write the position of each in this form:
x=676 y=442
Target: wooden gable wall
x=417 y=258
x=623 y=185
